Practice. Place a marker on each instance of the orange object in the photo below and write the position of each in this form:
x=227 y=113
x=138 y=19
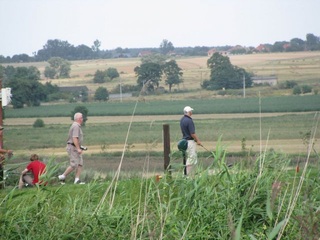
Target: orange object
x=158 y=177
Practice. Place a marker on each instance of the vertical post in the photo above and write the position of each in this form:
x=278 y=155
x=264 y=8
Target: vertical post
x=244 y=86
x=120 y=90
x=1 y=141
x=166 y=146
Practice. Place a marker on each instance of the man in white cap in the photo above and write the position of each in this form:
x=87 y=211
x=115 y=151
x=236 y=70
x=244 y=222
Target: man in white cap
x=189 y=133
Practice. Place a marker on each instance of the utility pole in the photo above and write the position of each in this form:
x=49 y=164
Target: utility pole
x=244 y=86
x=120 y=90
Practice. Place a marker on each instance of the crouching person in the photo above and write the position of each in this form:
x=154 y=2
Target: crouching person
x=37 y=168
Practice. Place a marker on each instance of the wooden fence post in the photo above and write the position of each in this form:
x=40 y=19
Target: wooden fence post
x=166 y=147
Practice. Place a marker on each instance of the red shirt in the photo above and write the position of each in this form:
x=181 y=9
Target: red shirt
x=37 y=169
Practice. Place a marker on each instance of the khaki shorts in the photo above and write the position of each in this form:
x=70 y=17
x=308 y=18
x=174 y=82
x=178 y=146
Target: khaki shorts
x=74 y=156
x=27 y=179
x=192 y=157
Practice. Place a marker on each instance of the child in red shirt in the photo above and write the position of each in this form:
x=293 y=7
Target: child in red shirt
x=36 y=167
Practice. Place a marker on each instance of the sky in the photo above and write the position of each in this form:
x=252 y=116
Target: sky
x=27 y=25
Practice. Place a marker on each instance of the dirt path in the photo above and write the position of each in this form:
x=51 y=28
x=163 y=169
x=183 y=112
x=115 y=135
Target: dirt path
x=148 y=118
x=279 y=145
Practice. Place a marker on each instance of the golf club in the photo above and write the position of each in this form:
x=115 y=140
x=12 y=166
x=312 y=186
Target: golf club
x=205 y=148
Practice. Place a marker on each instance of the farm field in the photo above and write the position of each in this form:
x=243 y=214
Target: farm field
x=303 y=67
x=215 y=115
x=282 y=132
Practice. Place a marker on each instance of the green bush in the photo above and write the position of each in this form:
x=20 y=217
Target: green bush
x=99 y=77
x=288 y=84
x=296 y=90
x=101 y=94
x=306 y=89
x=38 y=123
x=112 y=73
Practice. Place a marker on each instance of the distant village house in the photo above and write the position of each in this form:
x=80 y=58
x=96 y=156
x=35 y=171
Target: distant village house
x=265 y=80
x=212 y=51
x=144 y=53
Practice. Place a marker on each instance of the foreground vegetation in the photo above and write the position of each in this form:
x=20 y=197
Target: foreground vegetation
x=261 y=198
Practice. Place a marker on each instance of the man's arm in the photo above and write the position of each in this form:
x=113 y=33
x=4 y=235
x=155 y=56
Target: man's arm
x=24 y=172
x=195 y=137
x=5 y=151
x=76 y=144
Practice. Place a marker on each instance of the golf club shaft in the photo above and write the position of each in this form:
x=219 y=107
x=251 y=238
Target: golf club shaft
x=205 y=148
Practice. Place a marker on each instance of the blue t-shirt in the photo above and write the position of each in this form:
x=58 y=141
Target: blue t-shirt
x=187 y=127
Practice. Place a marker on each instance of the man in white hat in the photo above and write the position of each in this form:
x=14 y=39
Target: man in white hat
x=189 y=133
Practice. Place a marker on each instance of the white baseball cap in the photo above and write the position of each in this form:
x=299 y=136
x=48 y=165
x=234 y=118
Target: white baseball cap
x=187 y=109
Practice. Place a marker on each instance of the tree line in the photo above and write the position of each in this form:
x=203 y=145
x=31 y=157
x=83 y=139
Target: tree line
x=27 y=89
x=66 y=50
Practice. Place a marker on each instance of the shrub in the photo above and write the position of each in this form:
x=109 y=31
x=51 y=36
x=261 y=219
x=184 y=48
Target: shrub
x=289 y=84
x=296 y=90
x=38 y=123
x=306 y=89
x=112 y=73
x=101 y=94
x=99 y=77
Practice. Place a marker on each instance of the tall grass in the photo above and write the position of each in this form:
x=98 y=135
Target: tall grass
x=219 y=202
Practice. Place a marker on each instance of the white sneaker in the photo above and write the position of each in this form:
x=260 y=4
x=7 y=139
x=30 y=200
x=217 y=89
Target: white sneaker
x=62 y=179
x=79 y=182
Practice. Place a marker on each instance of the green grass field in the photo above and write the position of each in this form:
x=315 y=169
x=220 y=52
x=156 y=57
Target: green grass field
x=201 y=106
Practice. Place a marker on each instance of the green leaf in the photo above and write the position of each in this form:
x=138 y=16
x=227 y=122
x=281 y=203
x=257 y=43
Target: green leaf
x=238 y=230
x=269 y=210
x=276 y=230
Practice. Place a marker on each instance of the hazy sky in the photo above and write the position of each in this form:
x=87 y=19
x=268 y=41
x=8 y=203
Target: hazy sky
x=26 y=25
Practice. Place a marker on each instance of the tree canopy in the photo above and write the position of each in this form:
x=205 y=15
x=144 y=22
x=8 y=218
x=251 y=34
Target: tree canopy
x=149 y=72
x=101 y=94
x=59 y=68
x=25 y=87
x=224 y=75
x=166 y=46
x=173 y=73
